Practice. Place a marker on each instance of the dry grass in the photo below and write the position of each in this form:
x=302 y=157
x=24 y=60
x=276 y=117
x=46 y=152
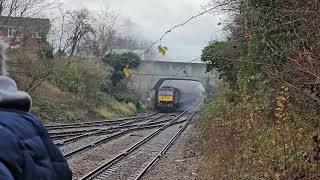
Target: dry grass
x=106 y=112
x=241 y=141
x=118 y=109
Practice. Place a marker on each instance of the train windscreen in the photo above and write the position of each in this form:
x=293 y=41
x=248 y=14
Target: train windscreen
x=165 y=93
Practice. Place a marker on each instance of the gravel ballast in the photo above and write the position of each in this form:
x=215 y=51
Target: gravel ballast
x=181 y=160
x=84 y=163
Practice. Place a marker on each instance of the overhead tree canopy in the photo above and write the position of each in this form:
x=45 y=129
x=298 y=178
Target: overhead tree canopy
x=218 y=55
x=119 y=62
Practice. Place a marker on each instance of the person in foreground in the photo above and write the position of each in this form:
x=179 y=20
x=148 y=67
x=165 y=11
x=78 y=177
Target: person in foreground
x=26 y=150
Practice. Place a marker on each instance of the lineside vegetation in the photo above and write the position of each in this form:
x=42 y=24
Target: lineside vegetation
x=265 y=122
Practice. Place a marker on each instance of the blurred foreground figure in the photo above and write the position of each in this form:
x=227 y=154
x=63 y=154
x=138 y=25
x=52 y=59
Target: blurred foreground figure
x=26 y=150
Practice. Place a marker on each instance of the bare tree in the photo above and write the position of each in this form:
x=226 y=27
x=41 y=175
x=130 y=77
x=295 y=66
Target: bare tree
x=24 y=8
x=79 y=24
x=85 y=32
x=106 y=26
x=63 y=17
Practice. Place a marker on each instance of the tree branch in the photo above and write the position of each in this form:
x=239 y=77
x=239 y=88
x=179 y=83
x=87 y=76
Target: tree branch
x=179 y=25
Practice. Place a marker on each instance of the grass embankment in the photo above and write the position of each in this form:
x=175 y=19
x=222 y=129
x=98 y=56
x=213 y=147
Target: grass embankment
x=55 y=106
x=71 y=89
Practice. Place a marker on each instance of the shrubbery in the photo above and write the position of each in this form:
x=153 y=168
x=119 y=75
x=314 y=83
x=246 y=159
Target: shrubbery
x=125 y=95
x=72 y=80
x=265 y=125
x=45 y=109
x=243 y=139
x=118 y=62
x=75 y=88
x=103 y=98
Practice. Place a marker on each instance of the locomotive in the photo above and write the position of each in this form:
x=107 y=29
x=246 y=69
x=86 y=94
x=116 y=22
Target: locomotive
x=167 y=99
x=176 y=94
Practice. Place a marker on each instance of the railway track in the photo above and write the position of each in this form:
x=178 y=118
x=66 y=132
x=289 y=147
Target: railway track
x=135 y=161
x=95 y=123
x=88 y=141
x=67 y=136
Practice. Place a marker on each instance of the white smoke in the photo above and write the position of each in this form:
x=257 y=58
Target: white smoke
x=191 y=92
x=3 y=58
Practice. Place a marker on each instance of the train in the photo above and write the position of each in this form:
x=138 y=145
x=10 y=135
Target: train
x=167 y=99
x=176 y=94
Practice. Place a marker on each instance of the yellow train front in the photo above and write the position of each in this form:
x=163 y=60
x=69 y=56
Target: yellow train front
x=167 y=99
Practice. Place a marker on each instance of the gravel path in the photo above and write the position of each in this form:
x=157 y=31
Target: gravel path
x=84 y=163
x=181 y=160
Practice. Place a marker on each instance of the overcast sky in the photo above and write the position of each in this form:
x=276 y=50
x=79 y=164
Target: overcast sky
x=153 y=17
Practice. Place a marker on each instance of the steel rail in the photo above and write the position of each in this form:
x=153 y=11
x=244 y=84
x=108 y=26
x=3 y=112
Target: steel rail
x=121 y=156
x=170 y=143
x=52 y=134
x=109 y=138
x=109 y=130
x=64 y=136
x=95 y=123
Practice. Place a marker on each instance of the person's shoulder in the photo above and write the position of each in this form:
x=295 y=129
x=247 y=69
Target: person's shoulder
x=22 y=117
x=9 y=116
x=8 y=140
x=16 y=113
x=34 y=120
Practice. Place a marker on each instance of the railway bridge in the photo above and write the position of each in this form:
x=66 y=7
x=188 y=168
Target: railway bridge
x=149 y=72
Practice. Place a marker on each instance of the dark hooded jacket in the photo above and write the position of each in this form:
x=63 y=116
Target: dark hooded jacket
x=26 y=150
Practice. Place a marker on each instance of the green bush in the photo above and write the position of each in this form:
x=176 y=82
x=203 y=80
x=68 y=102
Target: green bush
x=128 y=97
x=73 y=80
x=48 y=111
x=118 y=62
x=103 y=99
x=45 y=51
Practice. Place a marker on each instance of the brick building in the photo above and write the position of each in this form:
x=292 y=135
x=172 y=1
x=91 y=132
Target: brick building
x=18 y=31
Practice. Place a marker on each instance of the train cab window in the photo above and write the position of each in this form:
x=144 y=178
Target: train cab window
x=165 y=93
x=162 y=93
x=169 y=93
